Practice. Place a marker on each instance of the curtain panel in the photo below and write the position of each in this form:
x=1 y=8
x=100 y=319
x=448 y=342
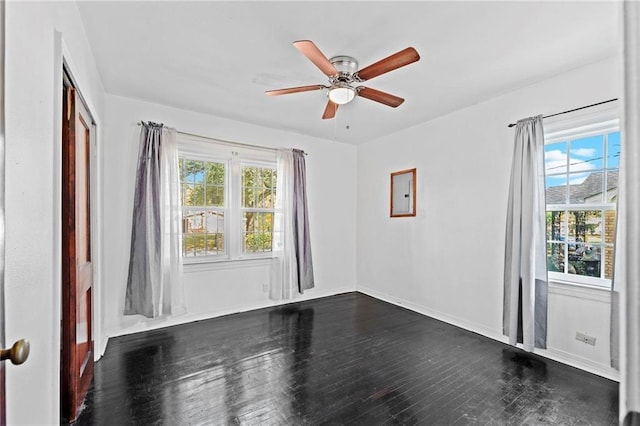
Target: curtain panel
x=525 y=268
x=292 y=267
x=302 y=237
x=626 y=280
x=154 y=283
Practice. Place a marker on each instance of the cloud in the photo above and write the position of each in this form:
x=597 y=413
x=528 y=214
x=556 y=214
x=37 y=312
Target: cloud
x=583 y=152
x=555 y=155
x=556 y=161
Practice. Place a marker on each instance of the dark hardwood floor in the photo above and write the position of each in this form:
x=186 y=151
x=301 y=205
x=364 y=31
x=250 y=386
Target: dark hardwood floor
x=347 y=359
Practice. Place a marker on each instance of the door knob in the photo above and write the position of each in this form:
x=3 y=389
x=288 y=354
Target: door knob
x=18 y=353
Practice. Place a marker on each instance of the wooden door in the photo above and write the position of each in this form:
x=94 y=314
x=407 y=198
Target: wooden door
x=77 y=269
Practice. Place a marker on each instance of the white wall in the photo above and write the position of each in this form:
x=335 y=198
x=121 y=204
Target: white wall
x=37 y=36
x=447 y=262
x=232 y=286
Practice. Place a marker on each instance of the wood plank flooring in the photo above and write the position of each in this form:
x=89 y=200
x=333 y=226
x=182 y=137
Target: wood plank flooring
x=345 y=360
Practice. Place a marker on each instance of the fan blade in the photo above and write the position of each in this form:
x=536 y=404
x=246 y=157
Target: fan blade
x=378 y=96
x=390 y=63
x=330 y=110
x=294 y=90
x=311 y=51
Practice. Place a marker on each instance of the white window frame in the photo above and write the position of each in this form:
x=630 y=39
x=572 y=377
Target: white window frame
x=226 y=209
x=596 y=122
x=241 y=210
x=234 y=157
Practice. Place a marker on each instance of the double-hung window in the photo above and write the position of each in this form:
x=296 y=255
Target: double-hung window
x=257 y=207
x=228 y=201
x=581 y=170
x=204 y=205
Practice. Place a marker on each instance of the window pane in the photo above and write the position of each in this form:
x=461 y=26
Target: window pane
x=214 y=196
x=199 y=244
x=193 y=222
x=612 y=187
x=586 y=188
x=555 y=257
x=555 y=158
x=257 y=231
x=584 y=259
x=197 y=196
x=609 y=226
x=214 y=173
x=202 y=182
x=556 y=228
x=188 y=244
x=267 y=200
x=585 y=226
x=203 y=232
x=586 y=154
x=593 y=227
x=258 y=187
x=556 y=189
x=186 y=194
x=214 y=222
x=613 y=150
x=215 y=243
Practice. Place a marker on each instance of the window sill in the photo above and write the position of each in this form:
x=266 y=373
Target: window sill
x=217 y=264
x=580 y=290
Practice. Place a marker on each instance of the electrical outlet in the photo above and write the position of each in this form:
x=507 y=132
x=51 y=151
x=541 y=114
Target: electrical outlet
x=265 y=287
x=581 y=337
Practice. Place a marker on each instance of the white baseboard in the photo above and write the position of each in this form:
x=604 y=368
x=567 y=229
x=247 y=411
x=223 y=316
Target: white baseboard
x=449 y=319
x=580 y=363
x=550 y=353
x=145 y=324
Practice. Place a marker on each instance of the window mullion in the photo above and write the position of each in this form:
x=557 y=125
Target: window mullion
x=235 y=216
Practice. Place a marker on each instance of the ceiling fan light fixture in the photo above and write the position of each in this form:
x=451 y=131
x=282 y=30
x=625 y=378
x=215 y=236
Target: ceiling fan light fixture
x=341 y=94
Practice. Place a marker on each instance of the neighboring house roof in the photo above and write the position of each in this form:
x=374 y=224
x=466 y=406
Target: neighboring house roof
x=591 y=186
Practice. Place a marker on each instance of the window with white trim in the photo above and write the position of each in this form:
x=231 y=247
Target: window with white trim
x=258 y=207
x=203 y=189
x=581 y=172
x=228 y=201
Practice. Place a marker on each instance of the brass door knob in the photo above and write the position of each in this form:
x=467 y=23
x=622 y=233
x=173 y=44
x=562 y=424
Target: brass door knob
x=18 y=353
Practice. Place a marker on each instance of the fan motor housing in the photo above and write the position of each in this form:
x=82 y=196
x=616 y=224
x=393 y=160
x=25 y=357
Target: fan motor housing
x=346 y=65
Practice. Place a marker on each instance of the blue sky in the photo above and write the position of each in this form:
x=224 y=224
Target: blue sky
x=584 y=156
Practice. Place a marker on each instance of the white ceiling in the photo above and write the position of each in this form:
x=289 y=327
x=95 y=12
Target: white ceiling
x=220 y=57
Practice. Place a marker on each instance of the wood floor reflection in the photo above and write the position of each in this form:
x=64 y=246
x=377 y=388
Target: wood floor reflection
x=347 y=359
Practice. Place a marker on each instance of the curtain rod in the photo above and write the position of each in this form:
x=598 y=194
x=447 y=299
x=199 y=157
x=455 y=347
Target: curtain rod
x=572 y=110
x=239 y=144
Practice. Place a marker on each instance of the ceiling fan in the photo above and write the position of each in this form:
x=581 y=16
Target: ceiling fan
x=343 y=73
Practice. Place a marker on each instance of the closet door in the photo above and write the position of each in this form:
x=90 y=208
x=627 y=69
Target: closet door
x=77 y=267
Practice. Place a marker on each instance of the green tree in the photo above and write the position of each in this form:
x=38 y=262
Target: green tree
x=202 y=183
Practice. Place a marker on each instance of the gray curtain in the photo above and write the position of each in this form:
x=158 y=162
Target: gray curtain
x=626 y=281
x=525 y=267
x=301 y=237
x=144 y=283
